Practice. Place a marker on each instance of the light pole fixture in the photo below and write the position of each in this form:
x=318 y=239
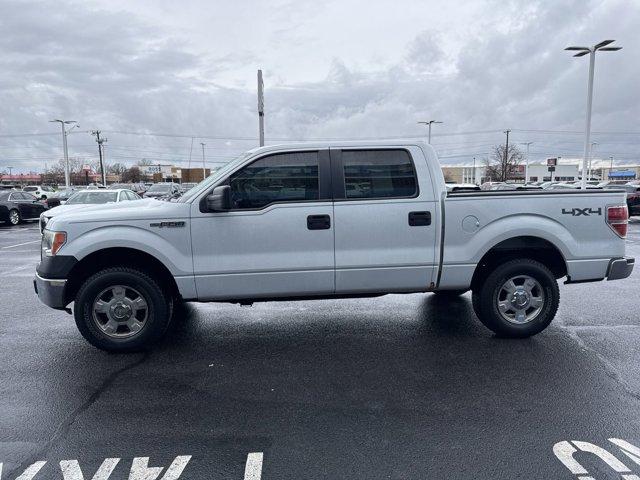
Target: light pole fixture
x=602 y=47
x=64 y=147
x=428 y=124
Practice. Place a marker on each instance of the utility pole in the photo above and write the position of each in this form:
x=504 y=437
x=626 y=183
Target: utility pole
x=506 y=156
x=261 y=108
x=428 y=124
x=204 y=171
x=610 y=165
x=64 y=147
x=526 y=165
x=100 y=141
x=190 y=152
x=602 y=47
x=10 y=170
x=474 y=170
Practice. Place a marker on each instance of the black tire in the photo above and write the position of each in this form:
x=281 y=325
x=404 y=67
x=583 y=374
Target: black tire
x=14 y=217
x=158 y=315
x=486 y=298
x=449 y=293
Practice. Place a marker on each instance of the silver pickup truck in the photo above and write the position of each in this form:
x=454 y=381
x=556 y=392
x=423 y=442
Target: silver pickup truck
x=328 y=220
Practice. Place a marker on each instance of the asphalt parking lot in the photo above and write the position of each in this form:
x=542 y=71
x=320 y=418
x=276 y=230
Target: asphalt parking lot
x=398 y=387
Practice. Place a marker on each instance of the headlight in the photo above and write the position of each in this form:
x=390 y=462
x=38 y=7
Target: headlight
x=52 y=242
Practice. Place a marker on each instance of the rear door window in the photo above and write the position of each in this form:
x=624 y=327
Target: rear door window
x=379 y=174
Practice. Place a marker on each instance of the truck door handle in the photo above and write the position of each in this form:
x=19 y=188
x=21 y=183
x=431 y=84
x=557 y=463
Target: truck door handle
x=419 y=219
x=318 y=222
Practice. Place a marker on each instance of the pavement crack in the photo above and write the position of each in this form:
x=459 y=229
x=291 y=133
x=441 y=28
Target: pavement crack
x=63 y=428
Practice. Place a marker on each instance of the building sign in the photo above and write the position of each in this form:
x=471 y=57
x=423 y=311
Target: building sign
x=552 y=162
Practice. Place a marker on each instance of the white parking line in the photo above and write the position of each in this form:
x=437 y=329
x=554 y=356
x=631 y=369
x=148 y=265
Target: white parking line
x=19 y=244
x=253 y=467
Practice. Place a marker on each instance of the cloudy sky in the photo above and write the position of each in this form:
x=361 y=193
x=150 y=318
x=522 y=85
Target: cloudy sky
x=151 y=74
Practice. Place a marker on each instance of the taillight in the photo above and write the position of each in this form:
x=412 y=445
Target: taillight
x=617 y=219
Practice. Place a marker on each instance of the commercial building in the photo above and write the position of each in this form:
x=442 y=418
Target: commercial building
x=623 y=172
x=565 y=171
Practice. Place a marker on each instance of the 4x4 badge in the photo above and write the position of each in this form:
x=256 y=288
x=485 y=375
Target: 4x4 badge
x=579 y=212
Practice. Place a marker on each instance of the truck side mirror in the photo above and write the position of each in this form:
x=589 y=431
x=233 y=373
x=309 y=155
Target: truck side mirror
x=220 y=199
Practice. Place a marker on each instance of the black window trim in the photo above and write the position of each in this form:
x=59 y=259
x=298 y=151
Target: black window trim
x=338 y=178
x=324 y=180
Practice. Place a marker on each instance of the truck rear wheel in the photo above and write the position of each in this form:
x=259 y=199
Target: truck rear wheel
x=518 y=299
x=122 y=309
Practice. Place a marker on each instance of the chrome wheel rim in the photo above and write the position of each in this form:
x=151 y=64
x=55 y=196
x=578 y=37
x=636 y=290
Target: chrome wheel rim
x=14 y=217
x=120 y=311
x=520 y=299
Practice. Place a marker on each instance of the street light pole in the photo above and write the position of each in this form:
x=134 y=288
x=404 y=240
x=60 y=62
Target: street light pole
x=602 y=46
x=64 y=147
x=590 y=170
x=261 y=108
x=428 y=124
x=526 y=165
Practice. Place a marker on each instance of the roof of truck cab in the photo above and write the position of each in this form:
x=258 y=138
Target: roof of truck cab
x=339 y=144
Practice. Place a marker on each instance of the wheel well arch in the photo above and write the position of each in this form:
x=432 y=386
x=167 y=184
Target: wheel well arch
x=535 y=248
x=119 y=256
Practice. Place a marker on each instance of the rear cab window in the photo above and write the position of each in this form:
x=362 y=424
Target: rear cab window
x=384 y=173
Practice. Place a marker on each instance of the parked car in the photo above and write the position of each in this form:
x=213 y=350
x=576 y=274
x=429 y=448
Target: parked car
x=281 y=222
x=488 y=185
x=186 y=186
x=633 y=196
x=462 y=187
x=40 y=191
x=16 y=207
x=571 y=186
x=158 y=190
x=612 y=182
x=83 y=198
x=514 y=186
x=60 y=196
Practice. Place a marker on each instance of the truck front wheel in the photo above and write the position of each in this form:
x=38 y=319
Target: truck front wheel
x=517 y=299
x=122 y=309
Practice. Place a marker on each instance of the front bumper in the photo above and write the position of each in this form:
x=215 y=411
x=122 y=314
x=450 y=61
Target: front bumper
x=620 y=268
x=50 y=291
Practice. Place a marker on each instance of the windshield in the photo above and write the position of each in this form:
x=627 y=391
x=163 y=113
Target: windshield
x=213 y=178
x=92 y=197
x=158 y=187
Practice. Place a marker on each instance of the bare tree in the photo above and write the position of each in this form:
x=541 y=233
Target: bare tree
x=501 y=167
x=132 y=174
x=116 y=168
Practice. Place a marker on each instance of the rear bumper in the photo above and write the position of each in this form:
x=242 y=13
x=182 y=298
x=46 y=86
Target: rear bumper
x=50 y=291
x=620 y=268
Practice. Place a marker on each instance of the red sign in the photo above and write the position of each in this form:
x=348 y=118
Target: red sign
x=552 y=162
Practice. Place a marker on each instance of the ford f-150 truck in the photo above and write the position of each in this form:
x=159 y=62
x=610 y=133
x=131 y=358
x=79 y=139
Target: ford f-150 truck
x=328 y=220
